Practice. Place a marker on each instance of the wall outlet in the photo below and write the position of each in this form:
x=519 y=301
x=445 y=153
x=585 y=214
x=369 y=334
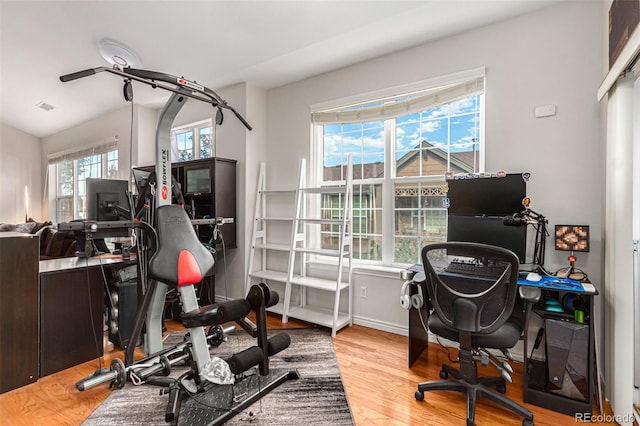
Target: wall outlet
x=363 y=292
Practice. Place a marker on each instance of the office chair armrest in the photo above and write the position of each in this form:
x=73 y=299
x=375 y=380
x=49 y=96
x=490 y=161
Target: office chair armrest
x=530 y=295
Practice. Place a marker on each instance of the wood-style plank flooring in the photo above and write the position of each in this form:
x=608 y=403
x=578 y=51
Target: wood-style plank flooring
x=379 y=385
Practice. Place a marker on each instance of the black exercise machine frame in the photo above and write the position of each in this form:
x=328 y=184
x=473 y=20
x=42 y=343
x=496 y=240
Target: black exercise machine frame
x=151 y=78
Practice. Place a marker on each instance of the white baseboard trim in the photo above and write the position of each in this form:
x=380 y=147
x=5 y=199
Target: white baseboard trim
x=381 y=325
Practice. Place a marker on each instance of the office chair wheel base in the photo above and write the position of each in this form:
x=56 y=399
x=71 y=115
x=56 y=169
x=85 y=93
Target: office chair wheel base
x=527 y=422
x=501 y=388
x=419 y=395
x=444 y=375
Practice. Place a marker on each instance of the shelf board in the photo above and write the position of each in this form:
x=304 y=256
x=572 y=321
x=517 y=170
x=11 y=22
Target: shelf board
x=267 y=274
x=278 y=191
x=320 y=316
x=324 y=252
x=318 y=283
x=275 y=218
x=272 y=246
x=324 y=190
x=322 y=221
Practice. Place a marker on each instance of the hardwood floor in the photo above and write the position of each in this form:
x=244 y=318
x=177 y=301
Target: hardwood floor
x=374 y=370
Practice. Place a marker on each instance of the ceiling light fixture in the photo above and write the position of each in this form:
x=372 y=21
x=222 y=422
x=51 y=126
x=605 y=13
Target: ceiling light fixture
x=118 y=54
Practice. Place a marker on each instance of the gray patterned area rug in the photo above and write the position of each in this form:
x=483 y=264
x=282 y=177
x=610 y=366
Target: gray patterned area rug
x=317 y=397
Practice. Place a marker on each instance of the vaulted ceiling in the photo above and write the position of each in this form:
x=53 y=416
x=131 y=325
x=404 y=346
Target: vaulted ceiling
x=217 y=43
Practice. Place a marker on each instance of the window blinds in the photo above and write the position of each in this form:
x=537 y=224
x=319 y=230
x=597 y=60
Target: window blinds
x=85 y=152
x=427 y=100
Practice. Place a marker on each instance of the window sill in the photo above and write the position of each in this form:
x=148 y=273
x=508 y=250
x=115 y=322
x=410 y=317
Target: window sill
x=360 y=269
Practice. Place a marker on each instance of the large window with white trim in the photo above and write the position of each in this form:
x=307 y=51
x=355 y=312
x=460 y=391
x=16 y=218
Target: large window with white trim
x=68 y=173
x=402 y=144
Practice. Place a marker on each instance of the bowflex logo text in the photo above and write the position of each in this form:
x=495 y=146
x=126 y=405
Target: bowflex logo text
x=164 y=191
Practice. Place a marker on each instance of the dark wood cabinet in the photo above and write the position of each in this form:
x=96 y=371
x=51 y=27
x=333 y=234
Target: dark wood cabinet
x=72 y=308
x=19 y=257
x=71 y=316
x=209 y=189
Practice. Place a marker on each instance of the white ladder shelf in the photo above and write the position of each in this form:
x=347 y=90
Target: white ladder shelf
x=265 y=224
x=303 y=251
x=303 y=230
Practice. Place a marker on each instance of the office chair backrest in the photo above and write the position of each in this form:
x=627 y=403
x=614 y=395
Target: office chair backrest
x=478 y=295
x=180 y=259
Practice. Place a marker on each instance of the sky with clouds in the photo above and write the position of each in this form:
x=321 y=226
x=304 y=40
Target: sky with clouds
x=452 y=126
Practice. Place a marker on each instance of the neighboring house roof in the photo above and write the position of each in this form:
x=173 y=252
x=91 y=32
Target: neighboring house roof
x=461 y=162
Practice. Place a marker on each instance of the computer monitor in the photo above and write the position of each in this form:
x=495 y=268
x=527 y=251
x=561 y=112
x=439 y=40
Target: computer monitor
x=490 y=196
x=107 y=199
x=488 y=230
x=478 y=206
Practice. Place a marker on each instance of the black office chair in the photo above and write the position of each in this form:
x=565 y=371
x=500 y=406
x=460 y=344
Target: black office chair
x=472 y=288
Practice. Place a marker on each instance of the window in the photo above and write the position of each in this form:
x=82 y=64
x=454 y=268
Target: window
x=402 y=144
x=68 y=175
x=193 y=141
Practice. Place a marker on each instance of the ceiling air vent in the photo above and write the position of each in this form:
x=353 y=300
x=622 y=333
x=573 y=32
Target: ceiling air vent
x=45 y=106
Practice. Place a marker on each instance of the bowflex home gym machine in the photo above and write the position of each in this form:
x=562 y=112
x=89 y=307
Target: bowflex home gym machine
x=180 y=260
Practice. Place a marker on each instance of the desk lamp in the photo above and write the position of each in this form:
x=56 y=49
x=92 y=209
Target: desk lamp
x=572 y=238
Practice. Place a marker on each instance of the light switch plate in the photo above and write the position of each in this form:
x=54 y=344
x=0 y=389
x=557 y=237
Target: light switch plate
x=545 y=111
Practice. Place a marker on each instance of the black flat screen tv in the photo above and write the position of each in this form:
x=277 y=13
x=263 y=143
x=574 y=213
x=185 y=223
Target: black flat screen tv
x=490 y=196
x=198 y=180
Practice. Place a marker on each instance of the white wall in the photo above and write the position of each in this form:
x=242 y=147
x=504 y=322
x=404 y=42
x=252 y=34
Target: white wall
x=255 y=153
x=19 y=168
x=553 y=56
x=144 y=149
